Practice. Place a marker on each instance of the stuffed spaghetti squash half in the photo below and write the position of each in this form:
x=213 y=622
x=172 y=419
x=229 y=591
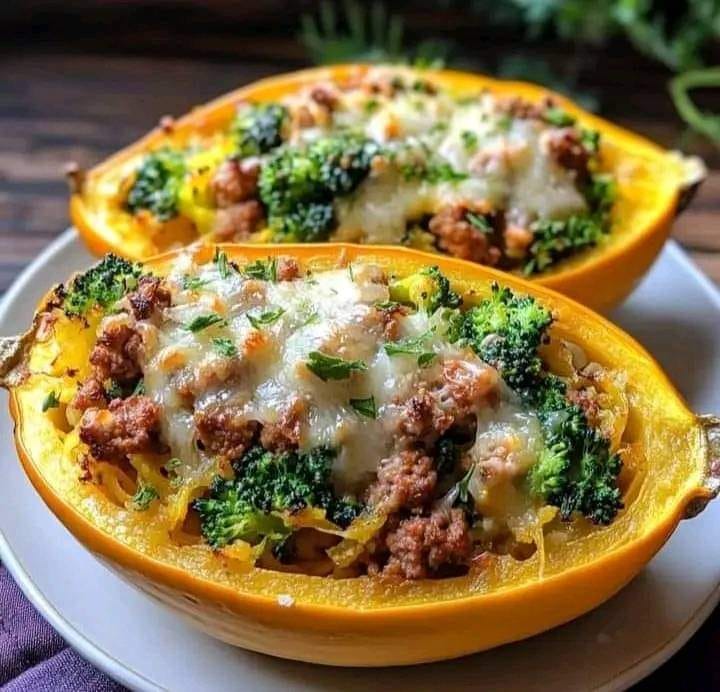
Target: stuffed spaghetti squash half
x=313 y=450
x=499 y=173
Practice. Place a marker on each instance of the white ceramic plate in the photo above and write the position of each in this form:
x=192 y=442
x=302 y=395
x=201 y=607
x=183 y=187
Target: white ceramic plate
x=675 y=313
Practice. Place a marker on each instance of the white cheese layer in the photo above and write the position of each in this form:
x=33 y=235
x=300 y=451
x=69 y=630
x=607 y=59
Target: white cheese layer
x=333 y=312
x=505 y=159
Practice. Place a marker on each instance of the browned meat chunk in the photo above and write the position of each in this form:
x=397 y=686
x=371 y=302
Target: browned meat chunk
x=422 y=421
x=287 y=269
x=116 y=354
x=423 y=547
x=235 y=181
x=390 y=316
x=324 y=96
x=224 y=432
x=458 y=237
x=150 y=294
x=404 y=481
x=90 y=395
x=239 y=220
x=518 y=107
x=127 y=426
x=464 y=389
x=517 y=241
x=567 y=149
x=284 y=435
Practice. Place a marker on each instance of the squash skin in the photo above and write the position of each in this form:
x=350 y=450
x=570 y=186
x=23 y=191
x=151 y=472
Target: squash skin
x=357 y=622
x=654 y=185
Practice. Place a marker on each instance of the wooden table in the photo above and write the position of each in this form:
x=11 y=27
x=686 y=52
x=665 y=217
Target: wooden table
x=60 y=107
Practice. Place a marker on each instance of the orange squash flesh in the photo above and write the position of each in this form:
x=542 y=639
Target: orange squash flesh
x=364 y=621
x=652 y=186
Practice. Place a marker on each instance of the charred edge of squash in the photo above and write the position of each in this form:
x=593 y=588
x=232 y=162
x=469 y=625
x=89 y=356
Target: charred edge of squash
x=694 y=174
x=14 y=350
x=710 y=430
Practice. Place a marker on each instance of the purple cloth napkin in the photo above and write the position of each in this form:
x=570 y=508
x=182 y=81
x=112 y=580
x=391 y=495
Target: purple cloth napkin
x=33 y=657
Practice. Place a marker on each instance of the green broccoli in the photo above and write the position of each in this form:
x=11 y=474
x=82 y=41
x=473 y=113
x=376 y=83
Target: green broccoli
x=258 y=128
x=575 y=471
x=298 y=184
x=428 y=290
x=157 y=184
x=102 y=285
x=265 y=482
x=505 y=330
x=601 y=193
x=556 y=239
x=227 y=517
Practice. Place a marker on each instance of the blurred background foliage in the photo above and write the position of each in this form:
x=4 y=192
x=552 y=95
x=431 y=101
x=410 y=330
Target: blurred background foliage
x=589 y=49
x=679 y=35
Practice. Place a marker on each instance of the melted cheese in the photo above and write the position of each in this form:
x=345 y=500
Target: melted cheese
x=333 y=312
x=506 y=160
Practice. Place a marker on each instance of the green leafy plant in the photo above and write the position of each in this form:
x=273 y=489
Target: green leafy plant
x=365 y=33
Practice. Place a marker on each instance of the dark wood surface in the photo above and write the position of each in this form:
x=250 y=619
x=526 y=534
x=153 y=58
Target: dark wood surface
x=73 y=105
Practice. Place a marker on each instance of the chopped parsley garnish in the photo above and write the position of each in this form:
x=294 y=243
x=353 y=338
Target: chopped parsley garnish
x=193 y=283
x=204 y=321
x=266 y=318
x=590 y=139
x=370 y=106
x=424 y=359
x=469 y=140
x=225 y=347
x=221 y=261
x=503 y=123
x=365 y=407
x=52 y=400
x=411 y=346
x=139 y=388
x=113 y=389
x=331 y=367
x=143 y=497
x=263 y=270
x=388 y=305
x=558 y=117
x=479 y=221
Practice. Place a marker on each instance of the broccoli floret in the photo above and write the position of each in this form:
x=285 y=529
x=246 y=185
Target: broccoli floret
x=556 y=239
x=258 y=128
x=299 y=184
x=226 y=517
x=594 y=490
x=428 y=290
x=102 y=285
x=548 y=476
x=506 y=330
x=307 y=223
x=265 y=482
x=157 y=184
x=575 y=471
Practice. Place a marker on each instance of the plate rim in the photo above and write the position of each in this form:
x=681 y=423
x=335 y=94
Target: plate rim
x=125 y=675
